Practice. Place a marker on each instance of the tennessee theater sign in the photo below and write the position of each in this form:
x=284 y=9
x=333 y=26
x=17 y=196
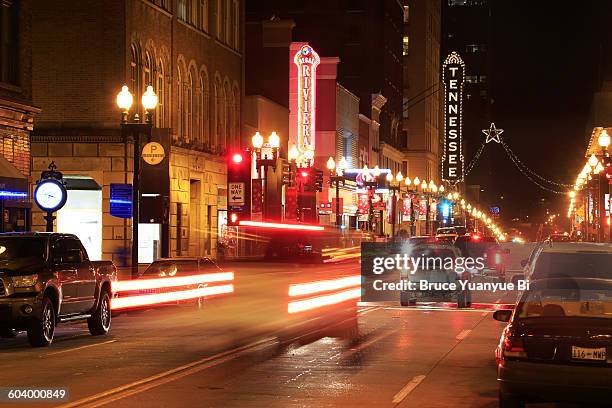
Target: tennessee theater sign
x=307 y=61
x=453 y=72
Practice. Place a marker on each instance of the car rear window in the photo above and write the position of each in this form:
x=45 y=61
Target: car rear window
x=565 y=302
x=573 y=265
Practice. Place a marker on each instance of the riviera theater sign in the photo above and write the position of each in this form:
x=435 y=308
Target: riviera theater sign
x=453 y=73
x=307 y=61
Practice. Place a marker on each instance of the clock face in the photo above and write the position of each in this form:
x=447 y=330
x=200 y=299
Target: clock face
x=50 y=195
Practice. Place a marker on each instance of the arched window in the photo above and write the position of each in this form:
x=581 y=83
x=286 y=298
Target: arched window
x=236 y=24
x=228 y=115
x=236 y=131
x=160 y=89
x=147 y=71
x=182 y=10
x=205 y=108
x=135 y=73
x=188 y=134
x=180 y=102
x=218 y=134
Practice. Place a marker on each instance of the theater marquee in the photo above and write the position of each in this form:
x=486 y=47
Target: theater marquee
x=453 y=74
x=307 y=61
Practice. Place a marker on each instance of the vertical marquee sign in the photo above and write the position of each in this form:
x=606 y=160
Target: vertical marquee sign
x=453 y=73
x=307 y=61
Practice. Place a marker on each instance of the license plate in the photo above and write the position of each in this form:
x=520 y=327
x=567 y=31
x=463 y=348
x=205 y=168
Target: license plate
x=581 y=353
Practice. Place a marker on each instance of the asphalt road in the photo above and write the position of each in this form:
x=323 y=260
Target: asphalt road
x=244 y=350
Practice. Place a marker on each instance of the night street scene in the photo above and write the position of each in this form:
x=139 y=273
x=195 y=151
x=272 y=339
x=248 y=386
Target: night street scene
x=305 y=203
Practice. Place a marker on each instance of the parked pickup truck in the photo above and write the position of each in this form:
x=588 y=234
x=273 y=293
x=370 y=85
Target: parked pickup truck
x=46 y=278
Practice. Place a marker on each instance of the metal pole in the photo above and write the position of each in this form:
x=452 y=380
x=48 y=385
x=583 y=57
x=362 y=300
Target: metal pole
x=427 y=228
x=136 y=204
x=338 y=215
x=49 y=218
x=393 y=217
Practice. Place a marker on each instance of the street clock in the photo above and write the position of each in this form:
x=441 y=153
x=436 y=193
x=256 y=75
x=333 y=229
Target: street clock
x=50 y=195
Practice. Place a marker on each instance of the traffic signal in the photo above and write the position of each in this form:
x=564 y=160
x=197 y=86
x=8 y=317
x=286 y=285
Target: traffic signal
x=238 y=186
x=318 y=181
x=304 y=178
x=233 y=218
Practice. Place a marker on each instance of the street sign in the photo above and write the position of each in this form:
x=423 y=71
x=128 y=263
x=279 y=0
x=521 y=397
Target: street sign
x=236 y=194
x=153 y=153
x=121 y=200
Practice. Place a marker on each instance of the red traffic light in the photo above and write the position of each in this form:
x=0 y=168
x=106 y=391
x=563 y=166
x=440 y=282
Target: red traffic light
x=237 y=158
x=304 y=173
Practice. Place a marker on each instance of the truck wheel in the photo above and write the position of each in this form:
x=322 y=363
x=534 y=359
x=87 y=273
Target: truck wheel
x=99 y=322
x=41 y=330
x=7 y=333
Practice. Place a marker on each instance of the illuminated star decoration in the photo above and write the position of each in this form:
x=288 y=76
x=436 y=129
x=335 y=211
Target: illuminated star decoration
x=493 y=134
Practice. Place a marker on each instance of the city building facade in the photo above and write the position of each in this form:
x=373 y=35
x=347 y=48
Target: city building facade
x=190 y=52
x=17 y=114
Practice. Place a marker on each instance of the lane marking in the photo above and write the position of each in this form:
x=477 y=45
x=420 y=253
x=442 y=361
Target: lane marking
x=366 y=344
x=368 y=310
x=164 y=377
x=430 y=309
x=403 y=393
x=463 y=334
x=484 y=313
x=78 y=348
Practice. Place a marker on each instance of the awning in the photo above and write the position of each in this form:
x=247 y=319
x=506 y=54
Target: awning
x=11 y=179
x=78 y=182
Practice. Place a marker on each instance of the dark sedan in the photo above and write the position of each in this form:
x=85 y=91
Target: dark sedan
x=557 y=345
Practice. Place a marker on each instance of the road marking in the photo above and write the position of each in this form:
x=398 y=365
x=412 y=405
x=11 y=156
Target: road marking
x=164 y=377
x=463 y=334
x=78 y=348
x=429 y=309
x=403 y=393
x=366 y=344
x=485 y=313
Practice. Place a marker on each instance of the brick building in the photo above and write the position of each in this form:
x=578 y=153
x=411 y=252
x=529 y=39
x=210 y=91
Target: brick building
x=190 y=51
x=16 y=114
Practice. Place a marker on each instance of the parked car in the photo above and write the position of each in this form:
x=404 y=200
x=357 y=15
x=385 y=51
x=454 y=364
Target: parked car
x=570 y=259
x=487 y=248
x=557 y=345
x=46 y=278
x=435 y=274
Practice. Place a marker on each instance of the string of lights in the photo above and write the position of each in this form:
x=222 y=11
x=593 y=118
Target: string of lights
x=475 y=159
x=518 y=162
x=526 y=174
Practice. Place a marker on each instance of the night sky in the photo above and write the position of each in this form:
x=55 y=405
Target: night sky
x=544 y=65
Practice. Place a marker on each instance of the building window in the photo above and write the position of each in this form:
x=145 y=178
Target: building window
x=471 y=79
x=236 y=101
x=204 y=109
x=476 y=48
x=165 y=4
x=180 y=103
x=160 y=89
x=406 y=14
x=188 y=133
x=405 y=44
x=219 y=19
x=236 y=26
x=228 y=22
x=482 y=79
x=218 y=115
x=203 y=20
x=182 y=10
x=135 y=73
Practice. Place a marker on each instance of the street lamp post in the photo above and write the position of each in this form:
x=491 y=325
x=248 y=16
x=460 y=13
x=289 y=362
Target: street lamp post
x=370 y=182
x=133 y=130
x=336 y=176
x=398 y=177
x=604 y=142
x=266 y=155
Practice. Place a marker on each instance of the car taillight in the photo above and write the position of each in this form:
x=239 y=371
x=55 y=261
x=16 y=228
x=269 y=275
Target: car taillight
x=513 y=347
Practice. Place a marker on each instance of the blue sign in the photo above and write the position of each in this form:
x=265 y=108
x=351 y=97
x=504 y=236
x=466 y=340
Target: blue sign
x=494 y=210
x=446 y=209
x=121 y=200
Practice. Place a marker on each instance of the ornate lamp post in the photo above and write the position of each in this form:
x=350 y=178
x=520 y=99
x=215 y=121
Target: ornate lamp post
x=266 y=155
x=133 y=131
x=604 y=141
x=336 y=176
x=394 y=187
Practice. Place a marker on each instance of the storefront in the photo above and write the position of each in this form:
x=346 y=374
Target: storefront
x=14 y=204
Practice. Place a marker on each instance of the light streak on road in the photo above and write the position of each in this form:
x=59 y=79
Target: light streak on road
x=159 y=298
x=143 y=284
x=309 y=288
x=274 y=225
x=320 y=301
